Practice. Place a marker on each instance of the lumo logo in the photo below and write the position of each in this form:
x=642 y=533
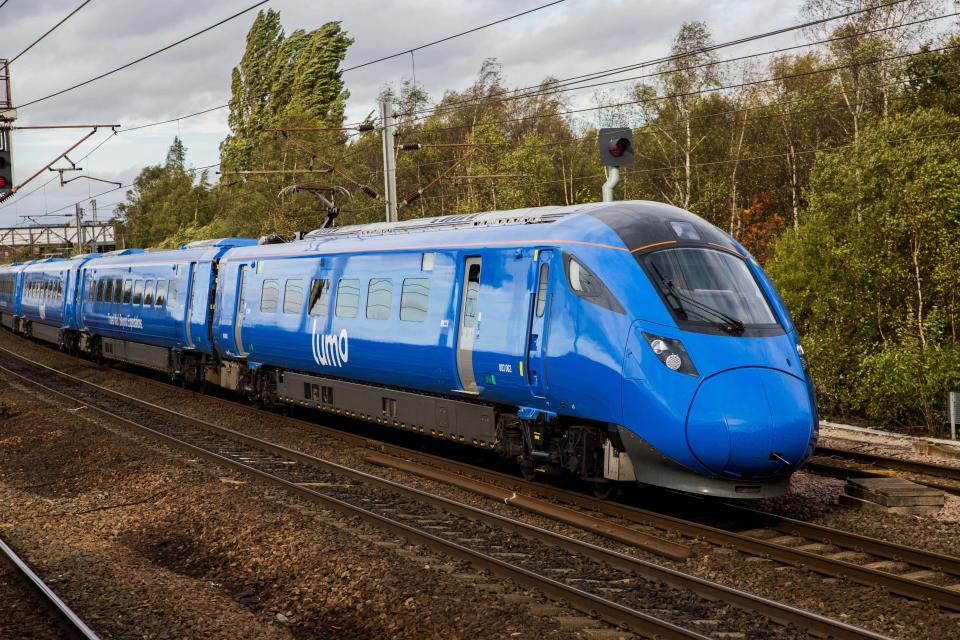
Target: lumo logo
x=330 y=349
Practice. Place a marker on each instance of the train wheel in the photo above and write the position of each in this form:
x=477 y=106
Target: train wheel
x=528 y=472
x=604 y=490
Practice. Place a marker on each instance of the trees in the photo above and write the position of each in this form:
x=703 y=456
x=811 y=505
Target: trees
x=283 y=81
x=165 y=199
x=876 y=300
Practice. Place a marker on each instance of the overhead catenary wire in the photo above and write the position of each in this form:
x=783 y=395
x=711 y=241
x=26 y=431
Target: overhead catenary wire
x=451 y=37
x=34 y=190
x=824 y=70
x=562 y=86
x=146 y=57
x=766 y=106
x=543 y=115
x=53 y=214
x=790 y=76
x=629 y=172
x=716 y=89
x=587 y=76
x=48 y=32
x=676 y=57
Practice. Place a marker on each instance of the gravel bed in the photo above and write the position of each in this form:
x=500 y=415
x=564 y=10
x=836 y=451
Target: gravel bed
x=21 y=616
x=812 y=498
x=151 y=546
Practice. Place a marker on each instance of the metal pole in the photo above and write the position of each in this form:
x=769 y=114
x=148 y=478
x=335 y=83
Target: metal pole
x=389 y=159
x=952 y=400
x=613 y=177
x=79 y=214
x=94 y=239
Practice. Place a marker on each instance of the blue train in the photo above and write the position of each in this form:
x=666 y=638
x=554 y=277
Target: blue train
x=626 y=342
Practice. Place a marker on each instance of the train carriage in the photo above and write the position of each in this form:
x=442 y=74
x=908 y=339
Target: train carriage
x=11 y=282
x=152 y=308
x=49 y=300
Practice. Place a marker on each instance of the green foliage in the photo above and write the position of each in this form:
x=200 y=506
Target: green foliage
x=933 y=78
x=164 y=200
x=283 y=81
x=871 y=273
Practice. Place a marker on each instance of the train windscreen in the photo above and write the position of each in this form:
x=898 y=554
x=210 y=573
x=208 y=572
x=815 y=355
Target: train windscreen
x=710 y=287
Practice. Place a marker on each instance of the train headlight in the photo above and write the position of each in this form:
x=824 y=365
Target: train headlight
x=671 y=354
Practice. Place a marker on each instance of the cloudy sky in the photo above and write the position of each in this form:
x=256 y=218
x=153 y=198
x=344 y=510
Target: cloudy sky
x=577 y=36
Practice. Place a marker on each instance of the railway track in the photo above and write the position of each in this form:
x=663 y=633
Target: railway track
x=616 y=587
x=899 y=569
x=71 y=624
x=835 y=461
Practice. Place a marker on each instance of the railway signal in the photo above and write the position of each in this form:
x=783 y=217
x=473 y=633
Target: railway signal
x=616 y=150
x=616 y=147
x=6 y=163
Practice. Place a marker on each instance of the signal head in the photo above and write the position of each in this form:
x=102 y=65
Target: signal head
x=616 y=146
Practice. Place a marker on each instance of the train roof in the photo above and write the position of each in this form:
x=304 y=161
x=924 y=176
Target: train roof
x=631 y=225
x=49 y=265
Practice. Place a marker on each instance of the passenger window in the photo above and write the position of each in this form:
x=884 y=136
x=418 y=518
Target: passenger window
x=100 y=291
x=172 y=293
x=379 y=298
x=319 y=297
x=269 y=296
x=427 y=261
x=108 y=291
x=293 y=297
x=472 y=293
x=137 y=291
x=148 y=293
x=542 y=290
x=118 y=290
x=414 y=299
x=582 y=280
x=127 y=290
x=161 y=293
x=348 y=298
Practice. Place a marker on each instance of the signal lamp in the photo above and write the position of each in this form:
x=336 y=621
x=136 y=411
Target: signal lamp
x=619 y=147
x=616 y=146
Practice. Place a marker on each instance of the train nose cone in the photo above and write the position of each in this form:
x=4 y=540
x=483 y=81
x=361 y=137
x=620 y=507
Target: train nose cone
x=741 y=421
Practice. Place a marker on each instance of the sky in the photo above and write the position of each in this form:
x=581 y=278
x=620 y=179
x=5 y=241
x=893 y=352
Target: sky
x=571 y=38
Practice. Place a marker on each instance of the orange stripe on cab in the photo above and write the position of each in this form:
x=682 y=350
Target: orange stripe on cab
x=655 y=244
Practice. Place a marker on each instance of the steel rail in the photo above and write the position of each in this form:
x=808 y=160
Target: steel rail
x=755 y=546
x=913 y=466
x=66 y=618
x=610 y=611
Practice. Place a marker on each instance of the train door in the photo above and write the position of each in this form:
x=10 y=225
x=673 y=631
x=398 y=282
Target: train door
x=469 y=327
x=188 y=311
x=241 y=310
x=536 y=359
